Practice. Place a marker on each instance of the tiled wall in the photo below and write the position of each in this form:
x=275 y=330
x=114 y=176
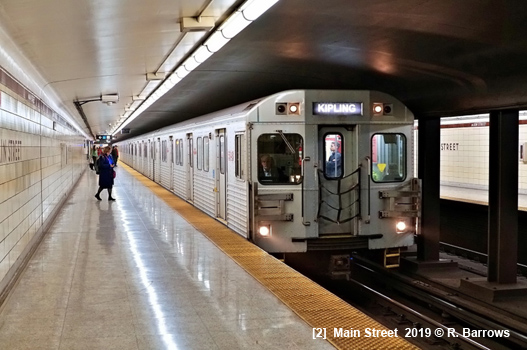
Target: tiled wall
x=40 y=161
x=465 y=156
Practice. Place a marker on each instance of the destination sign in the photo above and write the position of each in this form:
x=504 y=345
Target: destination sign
x=337 y=108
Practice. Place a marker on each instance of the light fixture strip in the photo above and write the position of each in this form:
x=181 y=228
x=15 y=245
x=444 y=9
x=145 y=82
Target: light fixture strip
x=239 y=20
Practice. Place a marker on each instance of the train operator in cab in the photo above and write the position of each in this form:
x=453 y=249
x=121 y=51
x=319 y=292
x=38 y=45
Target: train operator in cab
x=269 y=172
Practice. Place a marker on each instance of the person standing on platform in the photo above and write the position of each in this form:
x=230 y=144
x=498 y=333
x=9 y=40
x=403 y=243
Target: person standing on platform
x=106 y=173
x=94 y=154
x=115 y=154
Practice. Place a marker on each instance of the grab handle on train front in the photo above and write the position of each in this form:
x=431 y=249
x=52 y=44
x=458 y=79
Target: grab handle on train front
x=368 y=160
x=304 y=160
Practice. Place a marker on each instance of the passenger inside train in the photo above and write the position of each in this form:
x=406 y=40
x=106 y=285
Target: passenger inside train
x=334 y=163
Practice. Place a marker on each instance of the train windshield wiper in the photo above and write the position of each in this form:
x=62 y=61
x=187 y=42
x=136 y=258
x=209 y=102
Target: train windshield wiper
x=286 y=141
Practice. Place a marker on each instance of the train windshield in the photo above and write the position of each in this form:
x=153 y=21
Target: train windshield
x=388 y=157
x=280 y=159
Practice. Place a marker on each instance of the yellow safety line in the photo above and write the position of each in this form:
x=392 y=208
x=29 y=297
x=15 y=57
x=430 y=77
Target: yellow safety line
x=314 y=304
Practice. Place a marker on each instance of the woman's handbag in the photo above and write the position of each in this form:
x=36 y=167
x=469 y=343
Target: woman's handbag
x=114 y=174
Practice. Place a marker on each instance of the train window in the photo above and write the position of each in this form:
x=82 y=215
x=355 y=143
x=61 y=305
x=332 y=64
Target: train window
x=180 y=151
x=177 y=152
x=206 y=153
x=333 y=147
x=222 y=154
x=388 y=157
x=279 y=159
x=190 y=155
x=239 y=155
x=200 y=153
x=163 y=151
x=171 y=150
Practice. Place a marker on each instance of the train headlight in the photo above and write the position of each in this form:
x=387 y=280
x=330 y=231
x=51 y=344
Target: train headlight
x=293 y=108
x=377 y=109
x=400 y=227
x=264 y=230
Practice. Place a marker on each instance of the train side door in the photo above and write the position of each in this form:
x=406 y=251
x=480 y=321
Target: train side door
x=157 y=161
x=338 y=206
x=171 y=160
x=221 y=177
x=190 y=168
x=149 y=159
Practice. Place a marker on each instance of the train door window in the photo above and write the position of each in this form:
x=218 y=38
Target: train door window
x=239 y=155
x=190 y=155
x=279 y=159
x=177 y=152
x=200 y=153
x=171 y=150
x=164 y=151
x=222 y=154
x=333 y=148
x=388 y=157
x=206 y=153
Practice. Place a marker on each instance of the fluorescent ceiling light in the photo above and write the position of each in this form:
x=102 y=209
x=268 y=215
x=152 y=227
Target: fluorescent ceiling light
x=216 y=41
x=234 y=24
x=174 y=79
x=202 y=54
x=248 y=12
x=181 y=72
x=253 y=9
x=190 y=64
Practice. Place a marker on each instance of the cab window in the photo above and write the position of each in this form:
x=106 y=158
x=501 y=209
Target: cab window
x=388 y=157
x=279 y=159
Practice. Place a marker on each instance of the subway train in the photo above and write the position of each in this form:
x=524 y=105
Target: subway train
x=298 y=171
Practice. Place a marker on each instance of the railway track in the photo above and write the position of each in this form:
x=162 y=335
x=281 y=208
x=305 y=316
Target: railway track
x=430 y=316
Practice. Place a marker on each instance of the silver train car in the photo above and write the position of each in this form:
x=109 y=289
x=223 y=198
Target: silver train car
x=295 y=172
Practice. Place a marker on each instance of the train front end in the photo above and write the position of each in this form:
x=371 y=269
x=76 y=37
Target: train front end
x=332 y=171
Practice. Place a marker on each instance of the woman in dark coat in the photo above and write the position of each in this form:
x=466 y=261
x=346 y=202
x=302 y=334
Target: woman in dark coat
x=106 y=164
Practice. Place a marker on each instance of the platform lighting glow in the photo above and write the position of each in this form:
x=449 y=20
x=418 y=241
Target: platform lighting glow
x=153 y=298
x=239 y=20
x=400 y=226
